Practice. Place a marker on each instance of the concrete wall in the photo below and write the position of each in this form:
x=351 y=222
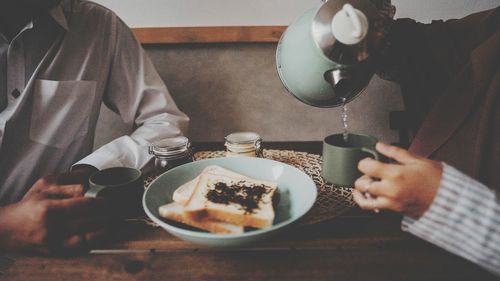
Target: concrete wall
x=233 y=87
x=153 y=13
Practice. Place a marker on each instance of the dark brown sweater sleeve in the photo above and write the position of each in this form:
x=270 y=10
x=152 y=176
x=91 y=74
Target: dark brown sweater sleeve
x=425 y=58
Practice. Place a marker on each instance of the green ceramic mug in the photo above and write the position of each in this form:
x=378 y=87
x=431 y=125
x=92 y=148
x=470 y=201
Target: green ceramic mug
x=340 y=159
x=122 y=187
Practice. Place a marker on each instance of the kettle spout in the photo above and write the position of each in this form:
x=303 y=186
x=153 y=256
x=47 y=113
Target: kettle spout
x=341 y=80
x=335 y=76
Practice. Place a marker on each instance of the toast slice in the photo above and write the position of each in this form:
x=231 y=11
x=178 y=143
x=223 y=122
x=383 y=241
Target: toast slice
x=175 y=211
x=183 y=192
x=245 y=202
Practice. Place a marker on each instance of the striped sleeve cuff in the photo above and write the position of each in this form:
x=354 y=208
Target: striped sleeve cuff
x=464 y=219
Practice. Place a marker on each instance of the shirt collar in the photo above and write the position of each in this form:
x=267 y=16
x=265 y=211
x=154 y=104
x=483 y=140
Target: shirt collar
x=58 y=15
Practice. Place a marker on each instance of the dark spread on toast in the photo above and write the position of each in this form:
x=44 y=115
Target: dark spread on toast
x=242 y=193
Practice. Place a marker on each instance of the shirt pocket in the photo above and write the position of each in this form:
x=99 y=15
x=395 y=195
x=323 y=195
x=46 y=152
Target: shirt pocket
x=61 y=111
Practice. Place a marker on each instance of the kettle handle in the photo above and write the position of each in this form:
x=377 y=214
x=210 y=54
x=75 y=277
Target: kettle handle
x=351 y=13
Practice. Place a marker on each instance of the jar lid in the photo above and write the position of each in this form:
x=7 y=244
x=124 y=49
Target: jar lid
x=170 y=146
x=243 y=138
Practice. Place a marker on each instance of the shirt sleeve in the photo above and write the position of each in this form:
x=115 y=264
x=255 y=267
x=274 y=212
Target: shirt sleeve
x=464 y=219
x=137 y=93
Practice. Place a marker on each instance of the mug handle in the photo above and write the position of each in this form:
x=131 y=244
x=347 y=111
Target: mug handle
x=372 y=152
x=93 y=191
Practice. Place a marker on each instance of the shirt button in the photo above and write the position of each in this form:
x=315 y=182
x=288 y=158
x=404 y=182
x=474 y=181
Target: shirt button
x=16 y=93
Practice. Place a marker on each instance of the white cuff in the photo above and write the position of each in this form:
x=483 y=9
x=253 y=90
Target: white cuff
x=101 y=159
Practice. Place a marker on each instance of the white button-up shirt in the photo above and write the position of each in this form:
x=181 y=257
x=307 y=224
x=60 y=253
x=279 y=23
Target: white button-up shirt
x=54 y=76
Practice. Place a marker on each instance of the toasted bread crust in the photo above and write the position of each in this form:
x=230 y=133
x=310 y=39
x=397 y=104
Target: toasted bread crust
x=238 y=219
x=206 y=224
x=247 y=220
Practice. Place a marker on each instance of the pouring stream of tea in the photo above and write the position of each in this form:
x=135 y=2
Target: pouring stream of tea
x=344 y=120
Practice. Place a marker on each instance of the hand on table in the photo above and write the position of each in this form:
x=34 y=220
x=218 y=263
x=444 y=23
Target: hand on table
x=408 y=186
x=54 y=217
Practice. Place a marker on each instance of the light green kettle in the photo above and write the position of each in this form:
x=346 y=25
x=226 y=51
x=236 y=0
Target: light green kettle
x=326 y=55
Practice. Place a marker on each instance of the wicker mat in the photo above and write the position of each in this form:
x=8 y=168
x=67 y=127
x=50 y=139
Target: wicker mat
x=331 y=201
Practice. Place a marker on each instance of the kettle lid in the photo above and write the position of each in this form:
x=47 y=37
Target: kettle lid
x=344 y=21
x=350 y=25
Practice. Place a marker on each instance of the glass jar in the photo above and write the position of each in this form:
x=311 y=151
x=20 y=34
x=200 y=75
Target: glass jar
x=244 y=144
x=170 y=153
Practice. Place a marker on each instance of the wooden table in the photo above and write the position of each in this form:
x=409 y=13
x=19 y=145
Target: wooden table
x=356 y=246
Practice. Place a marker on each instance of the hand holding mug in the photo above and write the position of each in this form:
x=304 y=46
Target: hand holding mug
x=407 y=186
x=53 y=218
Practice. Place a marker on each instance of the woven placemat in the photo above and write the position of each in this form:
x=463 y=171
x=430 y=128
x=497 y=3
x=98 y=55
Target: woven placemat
x=331 y=202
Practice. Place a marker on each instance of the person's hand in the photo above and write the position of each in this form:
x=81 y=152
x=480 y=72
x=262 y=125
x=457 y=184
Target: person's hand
x=408 y=186
x=68 y=184
x=54 y=218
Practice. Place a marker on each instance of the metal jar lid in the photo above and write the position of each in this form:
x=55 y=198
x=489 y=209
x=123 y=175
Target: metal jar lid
x=172 y=148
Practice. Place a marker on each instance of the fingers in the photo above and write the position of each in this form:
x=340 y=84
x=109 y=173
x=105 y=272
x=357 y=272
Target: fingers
x=399 y=154
x=81 y=215
x=362 y=184
x=367 y=184
x=88 y=224
x=86 y=240
x=97 y=237
x=80 y=243
x=64 y=191
x=78 y=236
x=65 y=244
x=40 y=185
x=77 y=207
x=370 y=203
x=75 y=244
x=374 y=168
x=49 y=186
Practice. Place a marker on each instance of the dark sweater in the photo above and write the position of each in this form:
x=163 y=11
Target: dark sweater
x=449 y=74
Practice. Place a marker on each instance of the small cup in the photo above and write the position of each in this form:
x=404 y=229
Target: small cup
x=340 y=158
x=121 y=186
